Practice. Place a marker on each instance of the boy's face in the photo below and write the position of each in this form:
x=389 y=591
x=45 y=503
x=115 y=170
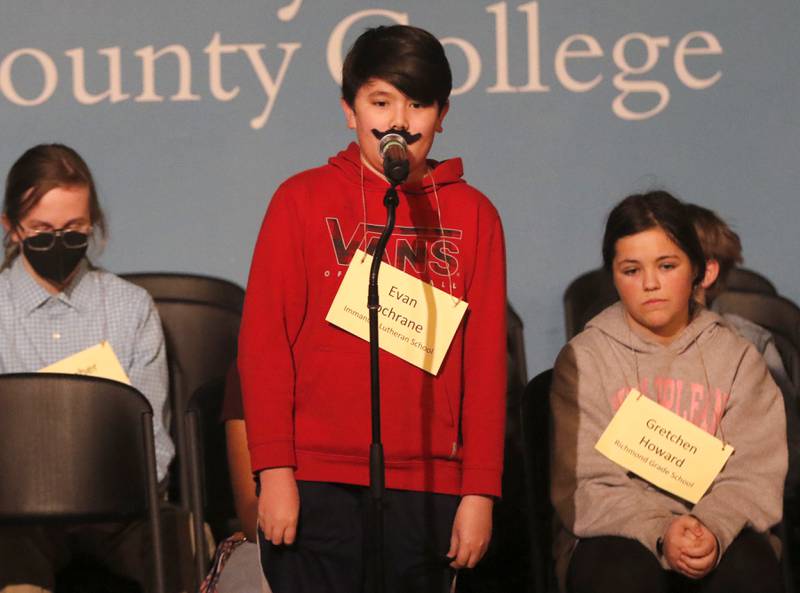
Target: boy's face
x=381 y=106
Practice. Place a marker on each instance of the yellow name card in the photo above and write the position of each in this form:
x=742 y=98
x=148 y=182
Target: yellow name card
x=97 y=361
x=658 y=445
x=416 y=321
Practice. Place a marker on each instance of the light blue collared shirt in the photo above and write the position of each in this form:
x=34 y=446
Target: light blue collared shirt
x=38 y=329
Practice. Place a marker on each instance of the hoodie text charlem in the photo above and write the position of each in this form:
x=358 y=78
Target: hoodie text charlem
x=691 y=401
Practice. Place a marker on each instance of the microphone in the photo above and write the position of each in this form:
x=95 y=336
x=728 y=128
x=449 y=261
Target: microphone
x=393 y=149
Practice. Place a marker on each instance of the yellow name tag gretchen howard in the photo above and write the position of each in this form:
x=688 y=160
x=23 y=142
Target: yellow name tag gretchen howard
x=658 y=445
x=416 y=321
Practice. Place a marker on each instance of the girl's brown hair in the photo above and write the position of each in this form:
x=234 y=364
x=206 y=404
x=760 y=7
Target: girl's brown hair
x=41 y=169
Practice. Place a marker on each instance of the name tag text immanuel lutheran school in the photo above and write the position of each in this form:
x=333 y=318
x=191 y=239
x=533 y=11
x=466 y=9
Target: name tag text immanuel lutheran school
x=658 y=445
x=416 y=321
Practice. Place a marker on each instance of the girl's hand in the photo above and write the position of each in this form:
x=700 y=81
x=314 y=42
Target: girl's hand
x=701 y=555
x=679 y=536
x=278 y=505
x=689 y=547
x=472 y=530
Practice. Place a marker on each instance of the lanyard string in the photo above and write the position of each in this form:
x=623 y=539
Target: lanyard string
x=705 y=373
x=708 y=386
x=364 y=205
x=456 y=300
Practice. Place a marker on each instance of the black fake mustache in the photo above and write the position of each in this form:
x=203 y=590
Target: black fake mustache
x=409 y=138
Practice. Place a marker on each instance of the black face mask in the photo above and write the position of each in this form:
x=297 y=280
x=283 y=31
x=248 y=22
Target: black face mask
x=57 y=263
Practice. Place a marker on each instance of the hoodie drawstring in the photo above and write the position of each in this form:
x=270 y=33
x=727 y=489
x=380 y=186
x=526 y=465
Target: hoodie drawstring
x=456 y=300
x=702 y=363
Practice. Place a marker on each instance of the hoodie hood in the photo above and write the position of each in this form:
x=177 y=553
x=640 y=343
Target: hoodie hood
x=348 y=163
x=612 y=323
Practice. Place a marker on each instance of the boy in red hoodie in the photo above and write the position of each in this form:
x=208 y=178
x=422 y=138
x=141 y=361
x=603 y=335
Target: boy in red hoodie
x=306 y=382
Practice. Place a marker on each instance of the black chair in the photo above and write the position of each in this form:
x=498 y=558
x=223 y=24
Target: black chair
x=201 y=317
x=517 y=374
x=212 y=498
x=775 y=313
x=77 y=449
x=585 y=297
x=744 y=280
x=590 y=293
x=782 y=318
x=535 y=422
x=517 y=369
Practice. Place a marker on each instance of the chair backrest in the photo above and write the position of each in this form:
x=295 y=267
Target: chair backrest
x=207 y=438
x=211 y=498
x=76 y=448
x=517 y=370
x=535 y=422
x=201 y=317
x=190 y=287
x=585 y=297
x=744 y=280
x=72 y=448
x=590 y=293
x=775 y=313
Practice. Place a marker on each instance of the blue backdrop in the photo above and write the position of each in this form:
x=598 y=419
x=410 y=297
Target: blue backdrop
x=192 y=112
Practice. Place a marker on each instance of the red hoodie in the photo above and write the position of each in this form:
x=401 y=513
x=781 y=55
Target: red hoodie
x=306 y=383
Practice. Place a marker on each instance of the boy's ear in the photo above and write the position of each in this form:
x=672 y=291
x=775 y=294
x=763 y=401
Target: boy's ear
x=712 y=273
x=349 y=114
x=441 y=117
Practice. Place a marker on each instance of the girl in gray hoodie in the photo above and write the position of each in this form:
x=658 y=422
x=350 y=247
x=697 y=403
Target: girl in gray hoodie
x=616 y=532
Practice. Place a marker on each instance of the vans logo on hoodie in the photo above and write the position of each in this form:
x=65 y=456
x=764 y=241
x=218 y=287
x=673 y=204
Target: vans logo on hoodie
x=410 y=248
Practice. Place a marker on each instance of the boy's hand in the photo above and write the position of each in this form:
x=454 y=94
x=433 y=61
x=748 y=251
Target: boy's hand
x=689 y=547
x=278 y=505
x=472 y=530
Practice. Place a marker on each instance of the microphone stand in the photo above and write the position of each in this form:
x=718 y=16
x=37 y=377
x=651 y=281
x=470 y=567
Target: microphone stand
x=377 y=469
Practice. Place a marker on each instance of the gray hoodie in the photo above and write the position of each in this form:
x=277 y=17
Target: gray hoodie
x=709 y=376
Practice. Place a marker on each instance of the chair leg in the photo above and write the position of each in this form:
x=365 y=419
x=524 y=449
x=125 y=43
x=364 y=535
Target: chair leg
x=153 y=503
x=158 y=556
x=196 y=498
x=785 y=533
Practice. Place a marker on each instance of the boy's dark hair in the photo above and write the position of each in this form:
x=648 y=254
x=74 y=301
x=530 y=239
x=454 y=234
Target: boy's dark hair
x=39 y=170
x=719 y=243
x=406 y=57
x=642 y=212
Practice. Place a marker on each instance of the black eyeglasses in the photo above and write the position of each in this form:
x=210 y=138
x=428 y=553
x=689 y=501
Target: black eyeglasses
x=44 y=240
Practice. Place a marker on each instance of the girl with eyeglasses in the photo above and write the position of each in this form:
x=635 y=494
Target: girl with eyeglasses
x=54 y=303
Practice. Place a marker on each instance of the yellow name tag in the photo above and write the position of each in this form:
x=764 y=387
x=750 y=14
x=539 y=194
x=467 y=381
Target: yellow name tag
x=658 y=445
x=97 y=361
x=416 y=321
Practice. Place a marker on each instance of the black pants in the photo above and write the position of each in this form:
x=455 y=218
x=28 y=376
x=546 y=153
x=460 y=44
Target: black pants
x=333 y=551
x=621 y=565
x=33 y=555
